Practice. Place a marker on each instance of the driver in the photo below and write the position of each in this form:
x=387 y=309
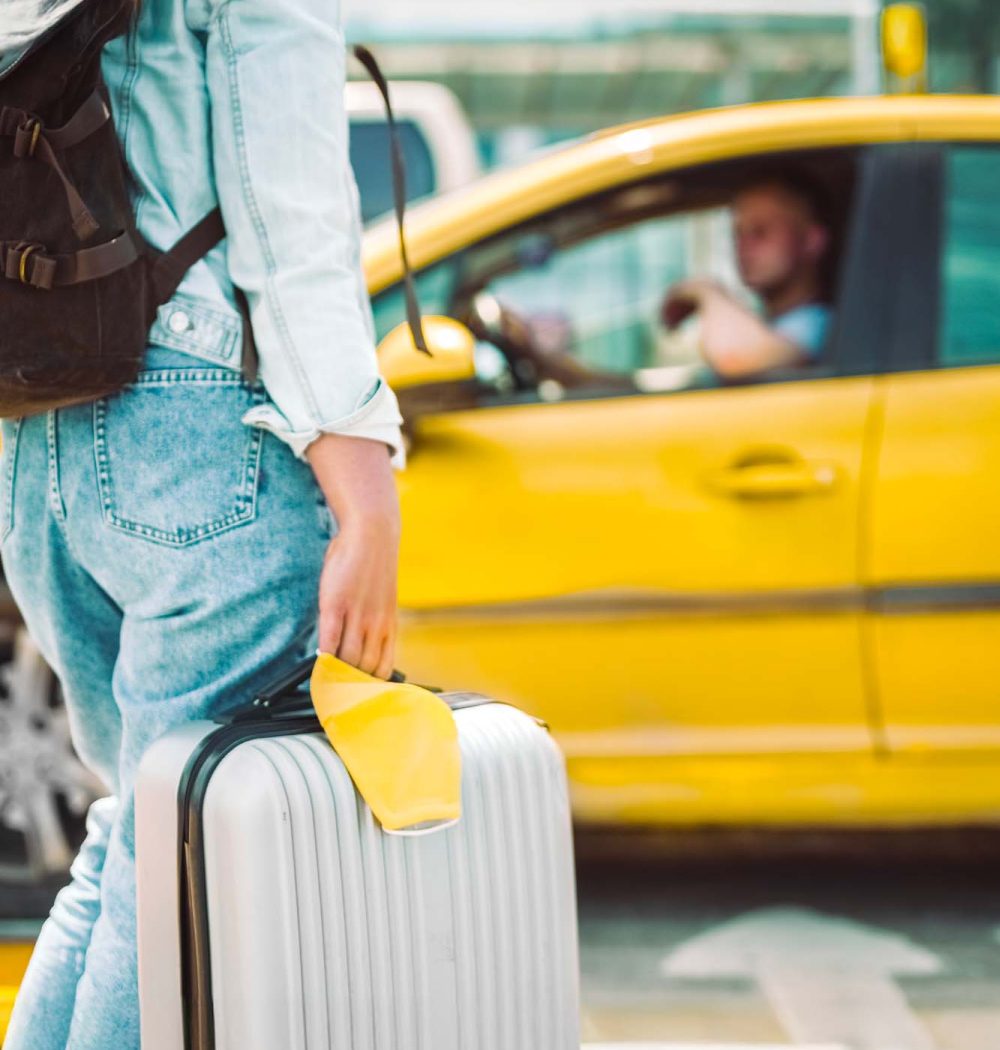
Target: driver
x=781 y=241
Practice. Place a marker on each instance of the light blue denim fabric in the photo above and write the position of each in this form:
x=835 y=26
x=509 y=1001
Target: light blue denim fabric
x=166 y=559
x=241 y=105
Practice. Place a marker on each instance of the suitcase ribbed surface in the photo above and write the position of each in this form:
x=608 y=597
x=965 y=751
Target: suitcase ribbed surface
x=327 y=934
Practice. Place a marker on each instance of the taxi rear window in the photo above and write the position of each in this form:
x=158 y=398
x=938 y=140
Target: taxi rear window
x=970 y=260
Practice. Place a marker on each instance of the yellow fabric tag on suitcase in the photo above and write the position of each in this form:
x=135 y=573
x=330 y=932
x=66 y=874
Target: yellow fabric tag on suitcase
x=399 y=743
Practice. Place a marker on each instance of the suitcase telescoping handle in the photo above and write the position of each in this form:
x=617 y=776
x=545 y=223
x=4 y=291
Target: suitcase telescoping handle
x=283 y=697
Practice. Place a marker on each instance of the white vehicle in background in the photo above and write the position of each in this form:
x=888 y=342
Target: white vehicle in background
x=439 y=145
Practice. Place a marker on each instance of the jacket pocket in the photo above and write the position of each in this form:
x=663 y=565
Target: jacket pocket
x=194 y=327
x=175 y=464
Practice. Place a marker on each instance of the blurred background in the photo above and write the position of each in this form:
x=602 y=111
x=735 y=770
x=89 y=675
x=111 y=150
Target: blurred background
x=534 y=74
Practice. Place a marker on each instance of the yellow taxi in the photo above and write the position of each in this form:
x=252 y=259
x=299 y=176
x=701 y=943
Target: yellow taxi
x=774 y=602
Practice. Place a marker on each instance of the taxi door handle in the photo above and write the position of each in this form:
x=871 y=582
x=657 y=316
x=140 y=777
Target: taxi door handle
x=778 y=480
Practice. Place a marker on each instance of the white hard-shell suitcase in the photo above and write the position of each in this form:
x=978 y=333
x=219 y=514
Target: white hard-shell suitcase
x=275 y=914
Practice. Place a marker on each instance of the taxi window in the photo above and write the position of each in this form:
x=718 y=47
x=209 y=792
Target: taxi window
x=434 y=288
x=599 y=300
x=970 y=260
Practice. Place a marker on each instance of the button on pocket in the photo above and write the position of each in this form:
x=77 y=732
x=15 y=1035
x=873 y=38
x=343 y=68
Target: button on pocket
x=175 y=463
x=179 y=322
x=193 y=326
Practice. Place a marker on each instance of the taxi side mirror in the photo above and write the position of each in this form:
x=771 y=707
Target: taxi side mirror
x=451 y=358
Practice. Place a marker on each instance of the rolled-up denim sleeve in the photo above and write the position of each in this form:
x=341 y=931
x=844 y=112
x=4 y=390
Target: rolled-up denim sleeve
x=275 y=73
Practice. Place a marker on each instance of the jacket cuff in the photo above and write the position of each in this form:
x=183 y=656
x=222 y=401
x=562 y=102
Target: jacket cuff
x=377 y=419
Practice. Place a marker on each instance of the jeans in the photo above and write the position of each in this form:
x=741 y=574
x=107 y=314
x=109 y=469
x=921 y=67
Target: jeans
x=166 y=559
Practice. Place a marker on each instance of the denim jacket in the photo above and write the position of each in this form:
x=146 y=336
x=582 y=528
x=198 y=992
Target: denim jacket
x=240 y=103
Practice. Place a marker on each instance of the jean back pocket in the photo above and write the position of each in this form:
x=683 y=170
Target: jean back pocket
x=175 y=462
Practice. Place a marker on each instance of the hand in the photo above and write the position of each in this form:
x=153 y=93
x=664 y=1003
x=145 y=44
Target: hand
x=357 y=589
x=357 y=596
x=682 y=300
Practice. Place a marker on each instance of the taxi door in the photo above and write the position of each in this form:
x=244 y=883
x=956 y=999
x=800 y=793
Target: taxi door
x=660 y=578
x=671 y=580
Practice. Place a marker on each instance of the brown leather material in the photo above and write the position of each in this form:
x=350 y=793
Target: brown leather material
x=249 y=361
x=28 y=263
x=90 y=264
x=170 y=268
x=84 y=223
x=26 y=395
x=11 y=119
x=74 y=317
x=89 y=118
x=33 y=139
x=31 y=264
x=26 y=137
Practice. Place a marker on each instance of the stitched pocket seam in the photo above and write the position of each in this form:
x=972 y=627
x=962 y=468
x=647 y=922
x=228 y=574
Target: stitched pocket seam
x=246 y=498
x=8 y=522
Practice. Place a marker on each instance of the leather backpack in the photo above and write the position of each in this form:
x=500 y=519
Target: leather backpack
x=79 y=286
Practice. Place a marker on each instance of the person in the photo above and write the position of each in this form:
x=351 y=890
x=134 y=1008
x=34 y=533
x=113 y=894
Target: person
x=177 y=546
x=782 y=241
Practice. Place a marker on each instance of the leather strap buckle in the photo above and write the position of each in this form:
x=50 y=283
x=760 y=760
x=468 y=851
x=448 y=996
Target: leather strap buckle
x=26 y=137
x=27 y=263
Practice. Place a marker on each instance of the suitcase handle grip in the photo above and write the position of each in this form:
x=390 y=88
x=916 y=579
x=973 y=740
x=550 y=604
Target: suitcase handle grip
x=284 y=685
x=284 y=688
x=283 y=699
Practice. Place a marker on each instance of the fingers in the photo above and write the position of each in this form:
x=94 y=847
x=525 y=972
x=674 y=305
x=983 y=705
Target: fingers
x=352 y=643
x=677 y=311
x=357 y=602
x=371 y=652
x=669 y=309
x=369 y=647
x=331 y=629
x=387 y=656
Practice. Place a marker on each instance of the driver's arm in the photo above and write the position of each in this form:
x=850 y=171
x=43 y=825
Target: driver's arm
x=735 y=342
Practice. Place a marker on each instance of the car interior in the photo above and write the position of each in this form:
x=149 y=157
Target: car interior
x=568 y=304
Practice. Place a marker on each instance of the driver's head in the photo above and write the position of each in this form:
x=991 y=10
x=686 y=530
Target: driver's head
x=780 y=234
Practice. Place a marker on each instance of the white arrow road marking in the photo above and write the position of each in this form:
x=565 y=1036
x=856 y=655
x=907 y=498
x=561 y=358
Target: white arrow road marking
x=864 y=1009
x=828 y=980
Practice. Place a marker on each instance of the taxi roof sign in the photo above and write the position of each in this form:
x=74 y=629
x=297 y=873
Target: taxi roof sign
x=904 y=45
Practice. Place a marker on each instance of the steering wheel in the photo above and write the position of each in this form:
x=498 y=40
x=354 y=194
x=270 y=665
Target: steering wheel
x=495 y=322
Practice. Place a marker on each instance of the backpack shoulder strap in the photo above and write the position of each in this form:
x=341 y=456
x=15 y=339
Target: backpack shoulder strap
x=170 y=268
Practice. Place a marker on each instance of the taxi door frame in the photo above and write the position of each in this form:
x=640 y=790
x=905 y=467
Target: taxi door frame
x=886 y=326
